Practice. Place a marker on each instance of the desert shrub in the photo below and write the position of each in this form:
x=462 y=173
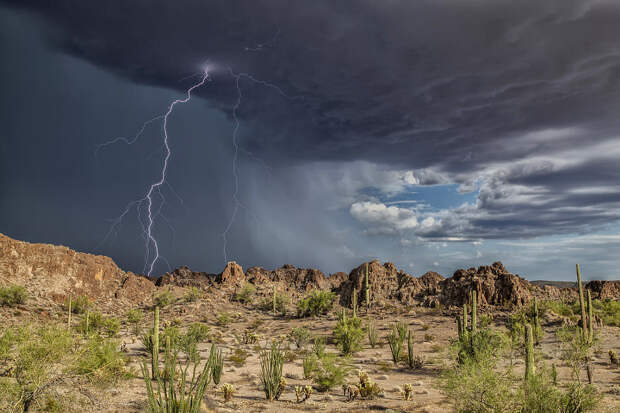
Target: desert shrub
x=12 y=295
x=576 y=349
x=429 y=337
x=163 y=299
x=348 y=335
x=79 y=304
x=426 y=327
x=485 y=321
x=316 y=303
x=290 y=356
x=192 y=294
x=326 y=372
x=608 y=310
x=402 y=328
x=540 y=394
x=300 y=336
x=373 y=337
x=238 y=357
x=98 y=323
x=135 y=317
x=246 y=294
x=557 y=307
x=282 y=301
x=483 y=344
x=102 y=360
x=198 y=331
x=224 y=319
x=475 y=386
x=271 y=363
x=318 y=346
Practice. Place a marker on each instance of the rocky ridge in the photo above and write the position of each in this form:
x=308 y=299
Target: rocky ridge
x=54 y=272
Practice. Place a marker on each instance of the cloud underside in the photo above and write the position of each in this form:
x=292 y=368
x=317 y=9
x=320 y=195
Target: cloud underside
x=515 y=101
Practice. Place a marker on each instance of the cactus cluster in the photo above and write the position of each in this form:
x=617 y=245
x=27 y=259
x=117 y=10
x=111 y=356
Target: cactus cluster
x=302 y=393
x=587 y=323
x=462 y=322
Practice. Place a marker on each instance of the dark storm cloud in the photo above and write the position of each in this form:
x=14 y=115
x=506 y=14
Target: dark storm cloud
x=492 y=95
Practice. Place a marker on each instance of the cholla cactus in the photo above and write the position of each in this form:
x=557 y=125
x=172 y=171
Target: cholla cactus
x=407 y=391
x=228 y=390
x=367 y=389
x=303 y=393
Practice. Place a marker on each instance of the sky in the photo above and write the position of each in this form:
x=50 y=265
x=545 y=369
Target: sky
x=436 y=135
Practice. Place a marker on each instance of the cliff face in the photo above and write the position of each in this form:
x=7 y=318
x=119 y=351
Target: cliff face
x=54 y=272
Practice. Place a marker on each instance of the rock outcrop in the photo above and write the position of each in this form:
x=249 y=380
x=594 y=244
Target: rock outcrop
x=55 y=272
x=493 y=284
x=604 y=289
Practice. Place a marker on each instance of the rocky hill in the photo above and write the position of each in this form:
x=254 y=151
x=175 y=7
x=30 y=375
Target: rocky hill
x=54 y=272
x=51 y=272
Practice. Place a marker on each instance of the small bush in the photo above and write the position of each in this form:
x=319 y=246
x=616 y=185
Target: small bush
x=192 y=294
x=282 y=301
x=98 y=323
x=316 y=303
x=246 y=294
x=327 y=372
x=310 y=365
x=102 y=361
x=238 y=357
x=348 y=335
x=163 y=299
x=12 y=295
x=429 y=337
x=79 y=304
x=300 y=336
x=227 y=391
x=224 y=319
x=135 y=317
x=318 y=346
x=198 y=331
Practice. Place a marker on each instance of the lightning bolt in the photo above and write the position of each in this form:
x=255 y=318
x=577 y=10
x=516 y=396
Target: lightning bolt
x=148 y=217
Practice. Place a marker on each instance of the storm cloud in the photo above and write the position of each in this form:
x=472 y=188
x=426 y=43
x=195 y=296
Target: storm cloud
x=513 y=103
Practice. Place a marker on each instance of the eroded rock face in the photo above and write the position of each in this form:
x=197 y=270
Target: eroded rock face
x=493 y=284
x=232 y=274
x=386 y=283
x=291 y=278
x=604 y=289
x=184 y=277
x=49 y=271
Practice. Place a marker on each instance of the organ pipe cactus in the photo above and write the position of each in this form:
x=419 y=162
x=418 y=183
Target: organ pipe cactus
x=529 y=352
x=367 y=288
x=155 y=358
x=582 y=306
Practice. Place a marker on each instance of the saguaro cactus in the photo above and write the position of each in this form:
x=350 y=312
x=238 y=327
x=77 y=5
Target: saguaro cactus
x=367 y=288
x=465 y=320
x=354 y=302
x=529 y=352
x=459 y=326
x=69 y=314
x=590 y=318
x=474 y=311
x=584 y=326
x=155 y=358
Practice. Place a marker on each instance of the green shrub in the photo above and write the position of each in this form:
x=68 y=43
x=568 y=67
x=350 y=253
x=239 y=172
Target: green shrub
x=281 y=304
x=271 y=363
x=198 y=331
x=246 y=294
x=310 y=365
x=192 y=294
x=163 y=299
x=238 y=357
x=327 y=372
x=102 y=361
x=98 y=323
x=318 y=346
x=348 y=335
x=79 y=304
x=224 y=319
x=300 y=336
x=135 y=317
x=12 y=295
x=316 y=303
